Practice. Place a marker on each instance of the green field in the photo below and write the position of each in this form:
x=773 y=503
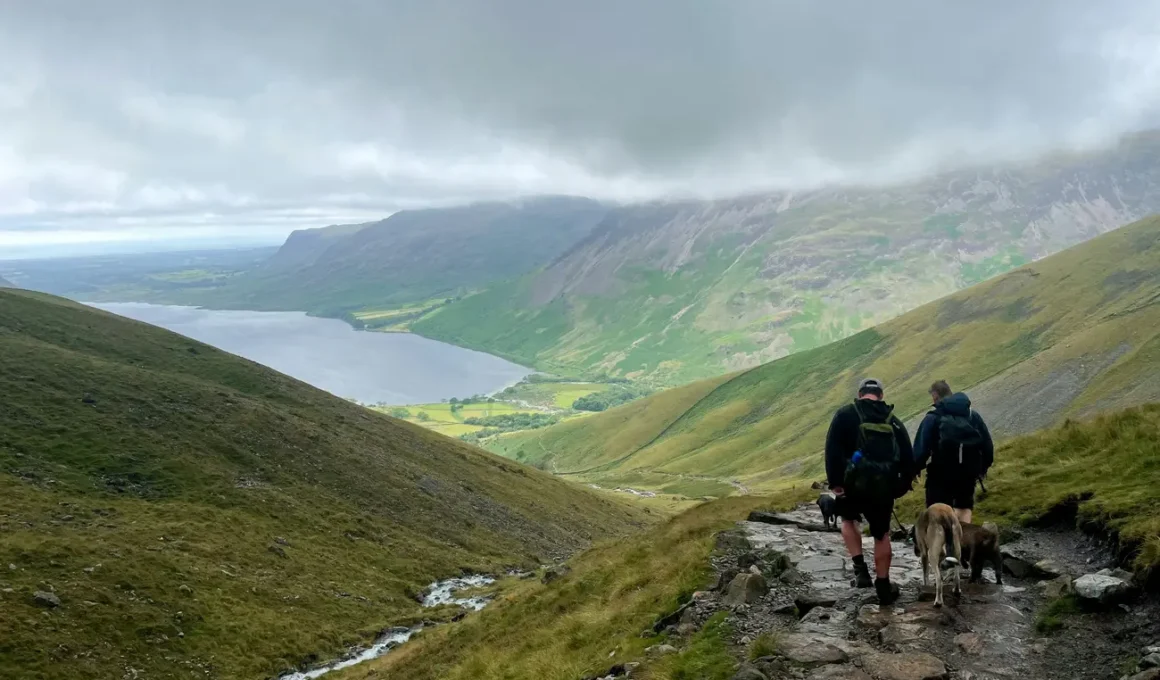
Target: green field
x=441 y=419
x=1067 y=337
x=396 y=319
x=200 y=515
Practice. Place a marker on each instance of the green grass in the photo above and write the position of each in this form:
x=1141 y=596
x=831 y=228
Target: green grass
x=1052 y=617
x=567 y=629
x=764 y=645
x=146 y=477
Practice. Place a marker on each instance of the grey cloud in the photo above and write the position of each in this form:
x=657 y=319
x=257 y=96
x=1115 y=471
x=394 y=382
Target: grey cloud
x=217 y=110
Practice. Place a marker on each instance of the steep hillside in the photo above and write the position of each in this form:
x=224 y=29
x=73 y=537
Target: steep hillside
x=5 y=283
x=197 y=514
x=678 y=291
x=1071 y=335
x=410 y=256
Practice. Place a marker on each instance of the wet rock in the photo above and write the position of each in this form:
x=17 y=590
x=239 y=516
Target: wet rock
x=746 y=589
x=809 y=649
x=903 y=634
x=1150 y=674
x=749 y=672
x=1017 y=563
x=819 y=564
x=1151 y=661
x=791 y=577
x=1056 y=587
x=970 y=643
x=825 y=620
x=835 y=672
x=1048 y=569
x=1101 y=589
x=46 y=599
x=906 y=666
x=660 y=650
x=813 y=598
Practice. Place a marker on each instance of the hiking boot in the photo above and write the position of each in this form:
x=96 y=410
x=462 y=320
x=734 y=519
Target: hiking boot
x=862 y=576
x=887 y=592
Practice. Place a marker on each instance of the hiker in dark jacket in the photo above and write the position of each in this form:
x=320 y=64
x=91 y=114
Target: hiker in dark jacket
x=869 y=463
x=955 y=448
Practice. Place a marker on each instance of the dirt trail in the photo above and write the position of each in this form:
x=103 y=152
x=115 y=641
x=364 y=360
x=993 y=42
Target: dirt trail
x=824 y=629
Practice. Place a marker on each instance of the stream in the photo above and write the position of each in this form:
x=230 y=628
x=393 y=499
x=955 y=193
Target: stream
x=438 y=594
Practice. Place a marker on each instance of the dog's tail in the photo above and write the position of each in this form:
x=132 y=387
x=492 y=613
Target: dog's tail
x=953 y=541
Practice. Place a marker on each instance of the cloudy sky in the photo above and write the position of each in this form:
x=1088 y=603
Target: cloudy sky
x=196 y=121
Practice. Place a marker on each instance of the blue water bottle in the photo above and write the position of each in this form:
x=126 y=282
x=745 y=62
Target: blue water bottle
x=857 y=458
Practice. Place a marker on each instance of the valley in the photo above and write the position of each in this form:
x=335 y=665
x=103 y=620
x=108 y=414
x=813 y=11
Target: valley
x=171 y=509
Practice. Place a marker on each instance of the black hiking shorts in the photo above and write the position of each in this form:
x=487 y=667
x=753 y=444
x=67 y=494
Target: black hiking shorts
x=959 y=493
x=876 y=513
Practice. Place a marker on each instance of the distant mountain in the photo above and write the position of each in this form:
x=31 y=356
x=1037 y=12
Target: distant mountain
x=410 y=256
x=5 y=283
x=184 y=510
x=674 y=291
x=1073 y=335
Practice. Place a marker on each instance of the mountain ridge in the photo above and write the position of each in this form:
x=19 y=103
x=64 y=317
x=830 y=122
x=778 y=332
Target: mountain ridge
x=676 y=291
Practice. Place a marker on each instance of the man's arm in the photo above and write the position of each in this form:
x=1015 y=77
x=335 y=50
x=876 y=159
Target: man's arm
x=987 y=449
x=837 y=450
x=923 y=441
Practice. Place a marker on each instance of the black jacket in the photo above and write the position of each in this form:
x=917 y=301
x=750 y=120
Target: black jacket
x=926 y=441
x=842 y=442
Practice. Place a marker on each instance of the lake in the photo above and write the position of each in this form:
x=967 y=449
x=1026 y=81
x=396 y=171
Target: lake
x=392 y=368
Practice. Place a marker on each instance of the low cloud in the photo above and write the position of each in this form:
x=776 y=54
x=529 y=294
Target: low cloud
x=265 y=115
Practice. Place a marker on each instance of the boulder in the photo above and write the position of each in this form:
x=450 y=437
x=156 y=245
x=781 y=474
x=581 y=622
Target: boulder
x=746 y=589
x=825 y=620
x=660 y=650
x=732 y=541
x=1150 y=674
x=836 y=672
x=790 y=577
x=1101 y=589
x=1151 y=661
x=1016 y=563
x=46 y=599
x=770 y=517
x=553 y=573
x=906 y=666
x=810 y=649
x=748 y=672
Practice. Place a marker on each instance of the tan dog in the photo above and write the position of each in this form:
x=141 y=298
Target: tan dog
x=981 y=548
x=938 y=527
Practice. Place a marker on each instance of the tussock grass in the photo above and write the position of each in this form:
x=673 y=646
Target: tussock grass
x=196 y=512
x=590 y=618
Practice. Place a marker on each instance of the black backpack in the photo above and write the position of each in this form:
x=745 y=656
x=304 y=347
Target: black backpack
x=958 y=443
x=875 y=475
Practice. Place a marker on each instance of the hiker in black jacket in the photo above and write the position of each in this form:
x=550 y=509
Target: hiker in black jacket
x=955 y=448
x=869 y=463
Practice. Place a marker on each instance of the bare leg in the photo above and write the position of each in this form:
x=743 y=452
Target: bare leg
x=964 y=515
x=852 y=537
x=883 y=553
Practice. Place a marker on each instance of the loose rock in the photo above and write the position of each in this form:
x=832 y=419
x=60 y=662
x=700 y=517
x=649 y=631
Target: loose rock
x=46 y=599
x=902 y=634
x=746 y=589
x=1101 y=589
x=748 y=672
x=660 y=650
x=970 y=643
x=833 y=672
x=812 y=650
x=810 y=599
x=1150 y=674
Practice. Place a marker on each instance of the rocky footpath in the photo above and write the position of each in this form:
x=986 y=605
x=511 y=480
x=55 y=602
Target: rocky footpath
x=786 y=585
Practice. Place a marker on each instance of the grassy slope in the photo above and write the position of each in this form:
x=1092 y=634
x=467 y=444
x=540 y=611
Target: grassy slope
x=183 y=470
x=675 y=292
x=565 y=630
x=1073 y=334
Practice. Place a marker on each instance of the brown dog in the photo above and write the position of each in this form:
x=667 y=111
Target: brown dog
x=938 y=527
x=981 y=548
